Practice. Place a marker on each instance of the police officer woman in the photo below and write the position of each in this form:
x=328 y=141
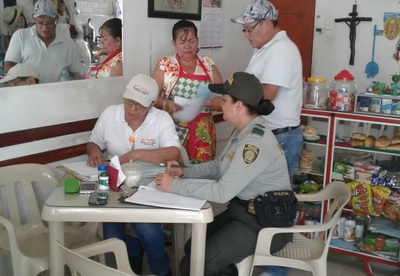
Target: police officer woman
x=251 y=164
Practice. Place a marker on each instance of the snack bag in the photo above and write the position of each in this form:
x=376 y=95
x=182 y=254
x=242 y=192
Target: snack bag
x=380 y=195
x=309 y=186
x=374 y=242
x=392 y=208
x=361 y=197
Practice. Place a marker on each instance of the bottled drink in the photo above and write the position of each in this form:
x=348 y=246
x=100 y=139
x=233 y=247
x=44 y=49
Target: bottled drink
x=336 y=230
x=359 y=231
x=309 y=221
x=103 y=182
x=101 y=168
x=342 y=221
x=349 y=229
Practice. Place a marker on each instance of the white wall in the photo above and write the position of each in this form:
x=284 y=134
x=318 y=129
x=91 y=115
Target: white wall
x=331 y=52
x=147 y=39
x=150 y=38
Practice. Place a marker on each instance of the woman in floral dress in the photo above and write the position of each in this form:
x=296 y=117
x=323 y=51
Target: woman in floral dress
x=181 y=75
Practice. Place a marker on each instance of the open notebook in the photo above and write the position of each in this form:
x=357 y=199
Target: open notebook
x=149 y=195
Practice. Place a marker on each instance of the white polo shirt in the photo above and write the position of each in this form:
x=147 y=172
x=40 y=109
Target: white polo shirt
x=278 y=62
x=113 y=133
x=49 y=62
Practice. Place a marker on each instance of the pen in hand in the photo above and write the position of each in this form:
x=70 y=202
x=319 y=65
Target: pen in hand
x=174 y=165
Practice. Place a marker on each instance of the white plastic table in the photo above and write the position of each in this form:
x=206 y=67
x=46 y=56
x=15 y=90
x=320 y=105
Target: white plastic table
x=61 y=207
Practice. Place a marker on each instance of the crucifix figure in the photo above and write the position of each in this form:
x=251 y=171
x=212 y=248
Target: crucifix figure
x=352 y=22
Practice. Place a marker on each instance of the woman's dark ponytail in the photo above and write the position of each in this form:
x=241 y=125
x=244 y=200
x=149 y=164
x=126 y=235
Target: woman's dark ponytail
x=265 y=107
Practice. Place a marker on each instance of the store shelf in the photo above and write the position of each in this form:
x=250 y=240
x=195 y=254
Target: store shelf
x=371 y=150
x=342 y=124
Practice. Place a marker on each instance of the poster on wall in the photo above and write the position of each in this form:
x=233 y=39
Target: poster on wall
x=211 y=32
x=177 y=9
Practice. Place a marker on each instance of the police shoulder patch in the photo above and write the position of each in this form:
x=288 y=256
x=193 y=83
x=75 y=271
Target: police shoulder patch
x=250 y=153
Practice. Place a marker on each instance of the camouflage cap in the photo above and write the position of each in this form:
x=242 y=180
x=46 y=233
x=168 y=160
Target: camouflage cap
x=257 y=10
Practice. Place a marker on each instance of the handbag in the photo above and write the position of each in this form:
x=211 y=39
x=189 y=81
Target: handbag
x=276 y=208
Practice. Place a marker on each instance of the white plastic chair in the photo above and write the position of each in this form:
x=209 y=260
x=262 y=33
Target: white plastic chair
x=22 y=232
x=79 y=263
x=302 y=253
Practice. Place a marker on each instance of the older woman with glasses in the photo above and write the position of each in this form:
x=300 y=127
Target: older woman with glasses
x=135 y=130
x=45 y=47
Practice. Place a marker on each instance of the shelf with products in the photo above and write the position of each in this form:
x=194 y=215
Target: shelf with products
x=338 y=146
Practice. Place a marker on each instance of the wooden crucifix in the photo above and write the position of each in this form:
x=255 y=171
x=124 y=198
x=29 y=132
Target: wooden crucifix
x=352 y=22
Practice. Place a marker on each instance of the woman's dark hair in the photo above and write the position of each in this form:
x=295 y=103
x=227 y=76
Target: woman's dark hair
x=114 y=27
x=183 y=25
x=265 y=107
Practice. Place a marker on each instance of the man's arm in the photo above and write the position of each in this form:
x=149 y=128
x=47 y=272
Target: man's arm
x=270 y=91
x=95 y=155
x=8 y=65
x=154 y=156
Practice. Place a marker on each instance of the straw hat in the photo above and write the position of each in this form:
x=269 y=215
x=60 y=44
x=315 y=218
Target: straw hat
x=11 y=15
x=18 y=71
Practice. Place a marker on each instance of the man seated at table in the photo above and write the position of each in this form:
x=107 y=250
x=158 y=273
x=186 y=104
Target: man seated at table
x=20 y=74
x=45 y=47
x=136 y=130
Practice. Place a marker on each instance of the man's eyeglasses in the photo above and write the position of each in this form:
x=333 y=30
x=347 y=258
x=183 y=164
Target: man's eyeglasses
x=132 y=103
x=42 y=24
x=252 y=28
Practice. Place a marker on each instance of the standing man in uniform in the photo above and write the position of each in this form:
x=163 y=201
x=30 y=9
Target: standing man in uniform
x=253 y=149
x=276 y=62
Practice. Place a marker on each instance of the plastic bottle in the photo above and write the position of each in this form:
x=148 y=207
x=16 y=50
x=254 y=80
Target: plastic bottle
x=316 y=94
x=101 y=168
x=359 y=231
x=349 y=229
x=342 y=92
x=103 y=182
x=342 y=221
x=336 y=230
x=309 y=221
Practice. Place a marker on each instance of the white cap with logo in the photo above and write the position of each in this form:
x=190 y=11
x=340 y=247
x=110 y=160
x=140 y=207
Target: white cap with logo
x=20 y=70
x=142 y=89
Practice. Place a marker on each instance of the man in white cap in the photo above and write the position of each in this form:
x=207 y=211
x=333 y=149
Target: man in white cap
x=277 y=64
x=137 y=131
x=44 y=46
x=20 y=74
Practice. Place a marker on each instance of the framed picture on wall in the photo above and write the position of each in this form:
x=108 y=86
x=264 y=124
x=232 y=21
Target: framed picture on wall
x=177 y=9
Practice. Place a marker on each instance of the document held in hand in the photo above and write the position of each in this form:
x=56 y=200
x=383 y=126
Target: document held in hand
x=147 y=195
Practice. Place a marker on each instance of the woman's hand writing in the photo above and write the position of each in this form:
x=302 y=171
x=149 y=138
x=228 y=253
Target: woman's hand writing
x=164 y=181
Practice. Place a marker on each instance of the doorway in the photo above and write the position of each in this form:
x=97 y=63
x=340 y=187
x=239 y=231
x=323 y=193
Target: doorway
x=296 y=17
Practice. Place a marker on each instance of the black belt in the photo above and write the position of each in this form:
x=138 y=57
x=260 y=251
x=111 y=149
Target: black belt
x=242 y=202
x=283 y=130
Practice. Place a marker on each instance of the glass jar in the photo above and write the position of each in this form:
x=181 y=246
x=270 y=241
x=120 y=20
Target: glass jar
x=342 y=92
x=316 y=94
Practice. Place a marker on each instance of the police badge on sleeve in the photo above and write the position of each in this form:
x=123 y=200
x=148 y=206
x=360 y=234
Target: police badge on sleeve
x=250 y=153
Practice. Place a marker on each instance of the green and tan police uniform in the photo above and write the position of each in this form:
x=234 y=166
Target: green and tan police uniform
x=251 y=164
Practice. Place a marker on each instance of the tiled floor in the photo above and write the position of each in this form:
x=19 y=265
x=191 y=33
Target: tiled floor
x=338 y=265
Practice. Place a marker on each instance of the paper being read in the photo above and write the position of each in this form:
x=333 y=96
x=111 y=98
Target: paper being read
x=191 y=107
x=114 y=162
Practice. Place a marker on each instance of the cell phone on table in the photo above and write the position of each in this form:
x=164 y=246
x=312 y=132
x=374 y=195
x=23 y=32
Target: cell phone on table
x=87 y=187
x=98 y=198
